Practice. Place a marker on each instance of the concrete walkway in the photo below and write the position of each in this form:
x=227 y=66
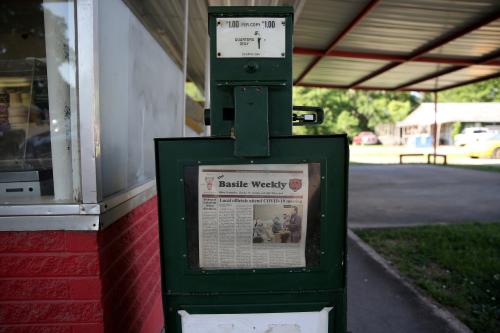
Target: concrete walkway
x=379 y=303
x=402 y=195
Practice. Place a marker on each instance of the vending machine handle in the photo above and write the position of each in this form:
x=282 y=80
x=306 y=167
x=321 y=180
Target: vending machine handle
x=314 y=115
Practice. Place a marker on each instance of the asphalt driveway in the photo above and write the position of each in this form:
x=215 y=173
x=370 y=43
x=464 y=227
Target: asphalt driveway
x=402 y=195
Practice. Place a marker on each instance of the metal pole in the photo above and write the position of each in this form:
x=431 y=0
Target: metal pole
x=184 y=66
x=207 y=83
x=435 y=124
x=88 y=102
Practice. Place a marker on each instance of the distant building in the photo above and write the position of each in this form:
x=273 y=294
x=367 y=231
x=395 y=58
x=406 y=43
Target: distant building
x=421 y=121
x=388 y=134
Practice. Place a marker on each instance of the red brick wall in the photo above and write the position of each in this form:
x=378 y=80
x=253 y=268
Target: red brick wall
x=130 y=266
x=67 y=281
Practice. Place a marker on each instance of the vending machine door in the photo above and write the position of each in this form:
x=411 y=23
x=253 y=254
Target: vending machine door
x=253 y=239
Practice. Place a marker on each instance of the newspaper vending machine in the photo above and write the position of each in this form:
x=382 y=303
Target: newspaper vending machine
x=252 y=219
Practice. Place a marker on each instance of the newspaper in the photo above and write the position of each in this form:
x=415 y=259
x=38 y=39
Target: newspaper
x=252 y=216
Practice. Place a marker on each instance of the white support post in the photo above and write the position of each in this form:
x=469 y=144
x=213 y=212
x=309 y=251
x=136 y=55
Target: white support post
x=88 y=99
x=73 y=97
x=436 y=133
x=58 y=75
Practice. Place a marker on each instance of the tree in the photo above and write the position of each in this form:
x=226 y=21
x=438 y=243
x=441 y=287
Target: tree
x=456 y=129
x=351 y=111
x=332 y=101
x=347 y=123
x=485 y=91
x=398 y=110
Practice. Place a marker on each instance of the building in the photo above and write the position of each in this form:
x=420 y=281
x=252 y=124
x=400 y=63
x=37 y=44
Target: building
x=421 y=121
x=84 y=88
x=388 y=134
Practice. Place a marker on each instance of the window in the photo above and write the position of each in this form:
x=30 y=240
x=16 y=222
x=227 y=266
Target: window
x=37 y=101
x=266 y=232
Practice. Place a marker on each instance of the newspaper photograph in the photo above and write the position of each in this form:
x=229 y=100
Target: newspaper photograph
x=252 y=216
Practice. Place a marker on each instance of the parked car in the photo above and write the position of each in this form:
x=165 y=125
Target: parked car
x=489 y=148
x=365 y=138
x=473 y=134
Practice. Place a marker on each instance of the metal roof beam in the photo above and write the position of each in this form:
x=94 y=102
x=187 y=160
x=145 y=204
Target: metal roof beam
x=489 y=58
x=434 y=44
x=389 y=57
x=338 y=86
x=371 y=4
x=476 y=80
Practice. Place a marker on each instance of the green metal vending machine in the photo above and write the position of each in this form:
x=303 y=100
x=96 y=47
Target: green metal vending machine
x=252 y=219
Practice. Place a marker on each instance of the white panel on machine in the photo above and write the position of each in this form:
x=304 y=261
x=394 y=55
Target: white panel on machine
x=251 y=37
x=287 y=322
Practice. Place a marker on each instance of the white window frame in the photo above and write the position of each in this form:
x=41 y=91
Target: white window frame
x=90 y=212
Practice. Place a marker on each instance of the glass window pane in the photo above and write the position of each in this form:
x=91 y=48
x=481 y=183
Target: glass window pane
x=37 y=100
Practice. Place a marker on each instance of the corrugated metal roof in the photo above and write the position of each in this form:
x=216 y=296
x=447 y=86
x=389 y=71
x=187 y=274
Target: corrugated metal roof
x=405 y=73
x=402 y=26
x=382 y=43
x=430 y=43
x=453 y=112
x=477 y=43
x=454 y=78
x=341 y=71
x=320 y=21
x=251 y=2
x=300 y=62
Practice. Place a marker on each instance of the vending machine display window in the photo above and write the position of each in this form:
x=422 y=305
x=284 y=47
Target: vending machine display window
x=253 y=216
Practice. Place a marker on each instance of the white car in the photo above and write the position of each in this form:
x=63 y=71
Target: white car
x=472 y=135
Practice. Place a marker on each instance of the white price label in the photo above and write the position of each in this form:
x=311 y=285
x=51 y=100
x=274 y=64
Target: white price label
x=251 y=37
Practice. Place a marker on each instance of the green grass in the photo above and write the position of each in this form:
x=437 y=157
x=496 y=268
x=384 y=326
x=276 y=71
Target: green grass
x=457 y=265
